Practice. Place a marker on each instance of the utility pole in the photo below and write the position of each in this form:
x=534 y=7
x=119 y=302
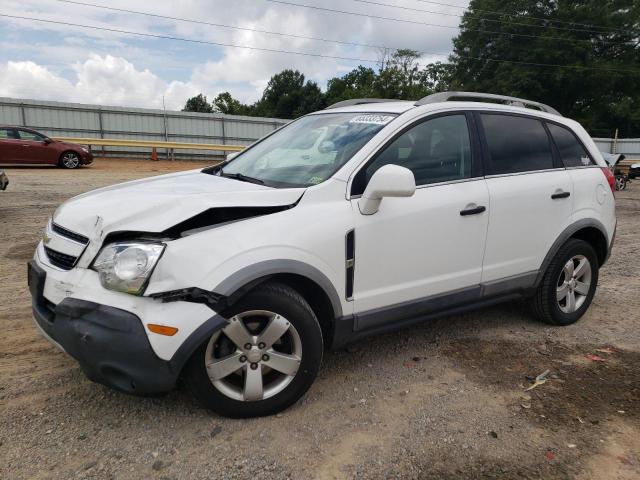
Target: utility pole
x=166 y=132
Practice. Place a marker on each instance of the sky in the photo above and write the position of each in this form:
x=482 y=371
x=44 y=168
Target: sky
x=47 y=61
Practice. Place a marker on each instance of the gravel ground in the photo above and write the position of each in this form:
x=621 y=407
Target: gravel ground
x=442 y=400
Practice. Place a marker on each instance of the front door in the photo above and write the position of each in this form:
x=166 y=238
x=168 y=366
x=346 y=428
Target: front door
x=423 y=252
x=33 y=149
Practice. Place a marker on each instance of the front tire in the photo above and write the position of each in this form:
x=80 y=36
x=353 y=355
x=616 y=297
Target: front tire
x=569 y=284
x=69 y=160
x=264 y=360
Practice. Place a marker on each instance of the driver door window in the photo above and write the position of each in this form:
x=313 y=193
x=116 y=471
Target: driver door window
x=436 y=150
x=30 y=136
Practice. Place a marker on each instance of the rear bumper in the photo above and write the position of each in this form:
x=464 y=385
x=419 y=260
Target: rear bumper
x=110 y=344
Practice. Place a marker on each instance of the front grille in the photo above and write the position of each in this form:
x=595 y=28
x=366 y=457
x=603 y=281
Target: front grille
x=76 y=237
x=60 y=260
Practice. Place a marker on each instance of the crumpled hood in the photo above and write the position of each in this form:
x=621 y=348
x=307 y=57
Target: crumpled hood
x=158 y=203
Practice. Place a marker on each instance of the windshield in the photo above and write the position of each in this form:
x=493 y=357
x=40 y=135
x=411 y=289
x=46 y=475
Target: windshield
x=307 y=151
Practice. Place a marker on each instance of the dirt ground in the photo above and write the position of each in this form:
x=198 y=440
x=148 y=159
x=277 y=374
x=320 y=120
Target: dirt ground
x=442 y=400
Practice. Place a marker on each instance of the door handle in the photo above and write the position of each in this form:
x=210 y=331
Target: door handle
x=472 y=210
x=558 y=195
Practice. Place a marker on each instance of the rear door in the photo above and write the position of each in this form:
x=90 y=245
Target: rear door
x=530 y=195
x=590 y=185
x=9 y=146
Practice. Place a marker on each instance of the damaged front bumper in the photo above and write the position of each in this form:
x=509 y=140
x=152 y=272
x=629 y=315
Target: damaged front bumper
x=111 y=344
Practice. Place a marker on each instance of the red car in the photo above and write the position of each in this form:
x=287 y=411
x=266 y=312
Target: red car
x=20 y=145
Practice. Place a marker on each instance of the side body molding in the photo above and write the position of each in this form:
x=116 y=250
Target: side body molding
x=394 y=317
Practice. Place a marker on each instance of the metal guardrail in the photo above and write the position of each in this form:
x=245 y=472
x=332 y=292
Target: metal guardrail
x=104 y=142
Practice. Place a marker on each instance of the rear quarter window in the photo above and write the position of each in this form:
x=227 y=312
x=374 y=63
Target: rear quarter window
x=572 y=152
x=516 y=144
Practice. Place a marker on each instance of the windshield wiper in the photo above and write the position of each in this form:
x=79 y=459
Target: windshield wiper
x=214 y=169
x=241 y=177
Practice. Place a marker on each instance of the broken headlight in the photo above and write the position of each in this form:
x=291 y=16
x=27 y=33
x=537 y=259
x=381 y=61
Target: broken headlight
x=126 y=266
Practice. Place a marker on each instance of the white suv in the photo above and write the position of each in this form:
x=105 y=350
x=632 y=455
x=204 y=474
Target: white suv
x=362 y=218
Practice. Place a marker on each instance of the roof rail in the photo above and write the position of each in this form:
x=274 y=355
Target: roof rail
x=516 y=102
x=360 y=101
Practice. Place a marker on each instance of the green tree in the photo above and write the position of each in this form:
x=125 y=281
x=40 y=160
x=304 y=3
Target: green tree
x=198 y=104
x=437 y=77
x=399 y=76
x=225 y=103
x=288 y=96
x=358 y=83
x=311 y=99
x=573 y=34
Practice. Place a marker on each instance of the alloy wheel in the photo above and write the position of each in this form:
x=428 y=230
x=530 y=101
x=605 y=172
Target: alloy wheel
x=70 y=160
x=255 y=357
x=574 y=284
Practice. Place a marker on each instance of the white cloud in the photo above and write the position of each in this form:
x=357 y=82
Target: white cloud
x=92 y=66
x=104 y=80
x=30 y=80
x=114 y=79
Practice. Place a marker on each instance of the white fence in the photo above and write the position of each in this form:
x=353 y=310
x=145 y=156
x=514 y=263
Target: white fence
x=92 y=121
x=630 y=147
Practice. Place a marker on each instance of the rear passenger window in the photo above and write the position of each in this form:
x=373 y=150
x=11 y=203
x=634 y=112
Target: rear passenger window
x=572 y=153
x=516 y=144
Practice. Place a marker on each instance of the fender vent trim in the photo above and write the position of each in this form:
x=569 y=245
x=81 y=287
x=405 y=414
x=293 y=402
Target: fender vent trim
x=350 y=263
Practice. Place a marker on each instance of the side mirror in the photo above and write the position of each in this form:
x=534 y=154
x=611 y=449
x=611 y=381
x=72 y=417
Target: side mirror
x=388 y=181
x=47 y=140
x=233 y=155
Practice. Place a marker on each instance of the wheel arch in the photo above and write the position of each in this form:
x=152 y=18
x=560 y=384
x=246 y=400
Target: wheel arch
x=597 y=239
x=307 y=280
x=591 y=231
x=311 y=283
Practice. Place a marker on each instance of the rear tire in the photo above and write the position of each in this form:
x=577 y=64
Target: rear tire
x=69 y=160
x=568 y=285
x=282 y=361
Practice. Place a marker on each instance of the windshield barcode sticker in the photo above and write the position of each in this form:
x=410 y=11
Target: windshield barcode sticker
x=372 y=119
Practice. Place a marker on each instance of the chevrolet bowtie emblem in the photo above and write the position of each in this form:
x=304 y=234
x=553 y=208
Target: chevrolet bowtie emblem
x=46 y=239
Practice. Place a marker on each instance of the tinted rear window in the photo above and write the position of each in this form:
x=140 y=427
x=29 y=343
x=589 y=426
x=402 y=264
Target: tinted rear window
x=516 y=144
x=572 y=153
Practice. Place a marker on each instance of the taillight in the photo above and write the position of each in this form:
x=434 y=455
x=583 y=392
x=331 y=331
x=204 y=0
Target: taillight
x=610 y=178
